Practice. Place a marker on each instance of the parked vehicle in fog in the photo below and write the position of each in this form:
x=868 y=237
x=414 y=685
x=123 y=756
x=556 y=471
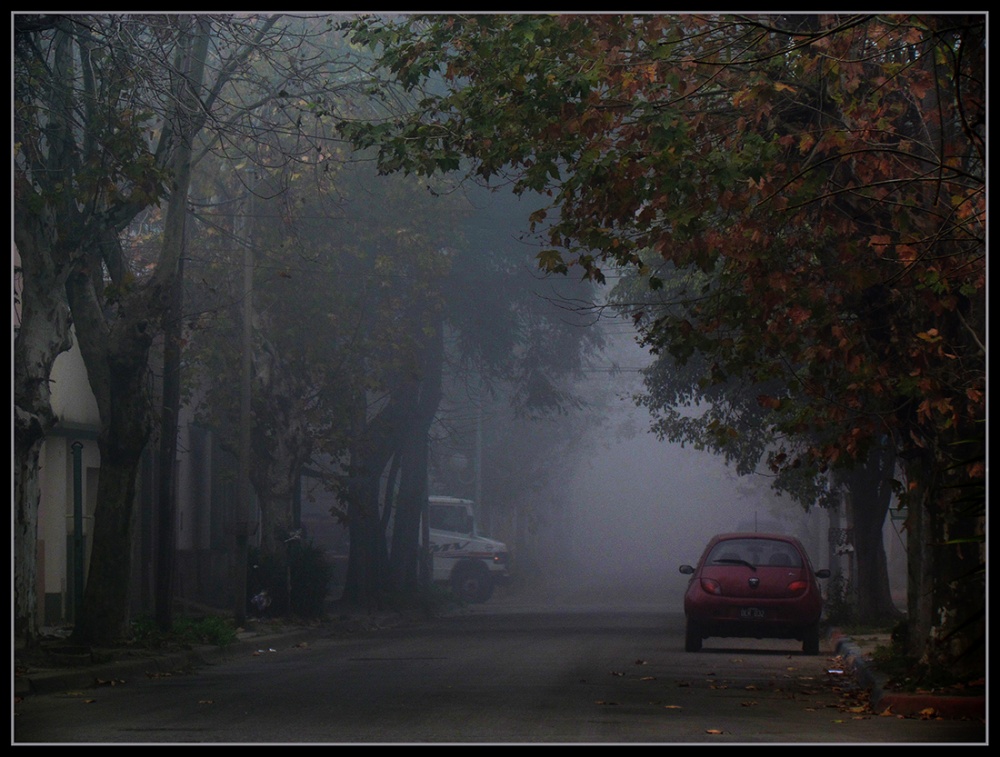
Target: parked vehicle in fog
x=463 y=558
x=753 y=585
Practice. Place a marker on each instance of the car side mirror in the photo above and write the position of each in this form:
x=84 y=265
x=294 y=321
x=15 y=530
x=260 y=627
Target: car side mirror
x=687 y=570
x=823 y=573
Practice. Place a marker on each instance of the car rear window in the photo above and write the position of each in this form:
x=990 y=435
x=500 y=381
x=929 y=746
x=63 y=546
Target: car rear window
x=758 y=552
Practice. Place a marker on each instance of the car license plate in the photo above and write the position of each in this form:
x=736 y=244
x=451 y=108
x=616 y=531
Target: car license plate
x=751 y=613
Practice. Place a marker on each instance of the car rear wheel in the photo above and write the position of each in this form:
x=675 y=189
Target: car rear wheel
x=810 y=640
x=692 y=637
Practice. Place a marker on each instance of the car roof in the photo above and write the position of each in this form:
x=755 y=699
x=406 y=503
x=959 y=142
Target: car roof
x=754 y=535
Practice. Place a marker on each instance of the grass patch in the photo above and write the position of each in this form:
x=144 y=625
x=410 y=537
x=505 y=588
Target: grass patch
x=185 y=632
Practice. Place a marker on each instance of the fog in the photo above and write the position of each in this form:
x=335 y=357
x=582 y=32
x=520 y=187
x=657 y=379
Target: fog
x=643 y=507
x=638 y=507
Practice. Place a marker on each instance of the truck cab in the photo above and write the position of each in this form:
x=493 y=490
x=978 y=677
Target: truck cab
x=471 y=564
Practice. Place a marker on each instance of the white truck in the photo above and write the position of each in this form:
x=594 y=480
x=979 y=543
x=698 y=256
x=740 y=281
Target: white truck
x=471 y=564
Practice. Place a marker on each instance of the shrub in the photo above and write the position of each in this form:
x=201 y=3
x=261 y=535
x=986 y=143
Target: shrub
x=304 y=570
x=839 y=606
x=185 y=631
x=208 y=630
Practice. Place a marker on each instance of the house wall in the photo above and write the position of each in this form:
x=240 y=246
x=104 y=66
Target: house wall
x=77 y=410
x=205 y=495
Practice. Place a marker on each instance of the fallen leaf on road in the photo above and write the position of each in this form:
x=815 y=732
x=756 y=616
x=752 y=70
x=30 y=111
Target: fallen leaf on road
x=713 y=730
x=616 y=673
x=747 y=704
x=206 y=701
x=750 y=687
x=640 y=662
x=648 y=678
x=601 y=701
x=109 y=682
x=88 y=701
x=672 y=707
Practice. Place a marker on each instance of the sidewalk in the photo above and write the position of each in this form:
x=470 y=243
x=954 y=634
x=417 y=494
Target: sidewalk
x=50 y=680
x=856 y=655
x=118 y=667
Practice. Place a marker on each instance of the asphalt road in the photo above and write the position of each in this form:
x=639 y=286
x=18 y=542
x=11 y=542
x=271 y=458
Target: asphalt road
x=561 y=667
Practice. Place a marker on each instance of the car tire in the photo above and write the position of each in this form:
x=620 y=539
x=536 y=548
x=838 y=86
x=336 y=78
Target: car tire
x=810 y=640
x=692 y=637
x=472 y=583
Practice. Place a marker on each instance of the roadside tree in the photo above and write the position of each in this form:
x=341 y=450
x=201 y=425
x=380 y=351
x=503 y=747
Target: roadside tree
x=828 y=171
x=112 y=112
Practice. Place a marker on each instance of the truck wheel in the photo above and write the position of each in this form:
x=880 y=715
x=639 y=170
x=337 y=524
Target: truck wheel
x=692 y=637
x=472 y=583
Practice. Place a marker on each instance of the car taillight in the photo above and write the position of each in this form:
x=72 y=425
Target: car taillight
x=711 y=586
x=798 y=587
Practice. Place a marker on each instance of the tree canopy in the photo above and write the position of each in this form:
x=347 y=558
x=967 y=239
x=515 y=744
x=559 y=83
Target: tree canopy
x=826 y=174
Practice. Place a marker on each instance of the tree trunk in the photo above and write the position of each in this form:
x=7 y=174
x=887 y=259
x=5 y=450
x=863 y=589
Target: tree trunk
x=371 y=451
x=43 y=334
x=870 y=488
x=946 y=594
x=424 y=399
x=166 y=531
x=117 y=364
x=281 y=443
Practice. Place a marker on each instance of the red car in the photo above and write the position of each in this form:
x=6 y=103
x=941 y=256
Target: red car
x=752 y=585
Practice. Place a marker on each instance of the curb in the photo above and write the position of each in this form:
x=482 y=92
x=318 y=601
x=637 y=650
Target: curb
x=905 y=704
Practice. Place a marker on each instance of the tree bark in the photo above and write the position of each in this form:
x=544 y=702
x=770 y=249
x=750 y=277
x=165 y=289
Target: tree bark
x=870 y=490
x=371 y=451
x=424 y=397
x=947 y=569
x=166 y=531
x=46 y=238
